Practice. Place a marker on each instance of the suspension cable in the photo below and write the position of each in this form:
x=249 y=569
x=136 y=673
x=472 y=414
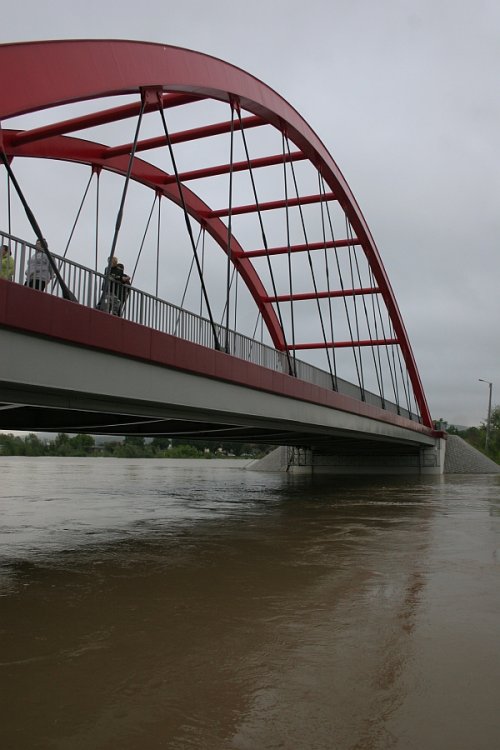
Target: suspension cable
x=188 y=222
x=264 y=240
x=407 y=397
x=355 y=306
x=78 y=215
x=143 y=239
x=119 y=216
x=224 y=310
x=311 y=266
x=322 y=191
x=391 y=365
x=187 y=281
x=346 y=308
x=97 y=206
x=288 y=242
x=202 y=265
x=67 y=294
x=229 y=223
x=8 y=204
x=377 y=337
x=235 y=299
x=158 y=230
x=253 y=340
x=378 y=374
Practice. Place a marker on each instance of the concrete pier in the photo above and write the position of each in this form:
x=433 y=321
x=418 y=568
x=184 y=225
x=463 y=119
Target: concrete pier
x=450 y=455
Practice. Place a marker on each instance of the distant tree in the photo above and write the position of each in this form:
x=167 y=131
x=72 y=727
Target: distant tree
x=82 y=445
x=185 y=451
x=160 y=444
x=33 y=445
x=61 y=446
x=12 y=445
x=133 y=446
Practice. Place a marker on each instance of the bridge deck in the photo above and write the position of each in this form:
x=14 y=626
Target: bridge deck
x=75 y=369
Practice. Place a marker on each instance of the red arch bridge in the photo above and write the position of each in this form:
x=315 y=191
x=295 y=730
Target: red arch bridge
x=164 y=157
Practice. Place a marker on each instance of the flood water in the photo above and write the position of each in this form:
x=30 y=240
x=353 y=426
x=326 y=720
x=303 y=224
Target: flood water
x=195 y=605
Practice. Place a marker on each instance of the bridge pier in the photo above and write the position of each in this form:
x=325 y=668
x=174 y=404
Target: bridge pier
x=354 y=459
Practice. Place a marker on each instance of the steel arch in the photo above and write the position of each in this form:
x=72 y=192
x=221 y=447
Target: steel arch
x=39 y=75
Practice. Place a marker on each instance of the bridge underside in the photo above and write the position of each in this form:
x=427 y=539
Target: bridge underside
x=73 y=369
x=46 y=410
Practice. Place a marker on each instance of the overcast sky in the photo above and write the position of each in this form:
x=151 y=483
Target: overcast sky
x=405 y=95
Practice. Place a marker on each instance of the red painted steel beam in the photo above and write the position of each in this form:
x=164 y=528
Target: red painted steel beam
x=301 y=248
x=343 y=344
x=206 y=131
x=71 y=149
x=271 y=205
x=38 y=75
x=323 y=295
x=103 y=117
x=238 y=166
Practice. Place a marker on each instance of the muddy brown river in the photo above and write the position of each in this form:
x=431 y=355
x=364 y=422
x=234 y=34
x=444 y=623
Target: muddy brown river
x=193 y=605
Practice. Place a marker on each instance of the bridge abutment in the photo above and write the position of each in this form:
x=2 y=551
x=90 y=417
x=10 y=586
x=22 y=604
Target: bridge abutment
x=377 y=458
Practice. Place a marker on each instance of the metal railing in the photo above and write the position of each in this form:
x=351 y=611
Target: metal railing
x=145 y=309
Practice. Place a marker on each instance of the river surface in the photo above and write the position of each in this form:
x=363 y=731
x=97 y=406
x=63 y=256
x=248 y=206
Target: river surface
x=193 y=605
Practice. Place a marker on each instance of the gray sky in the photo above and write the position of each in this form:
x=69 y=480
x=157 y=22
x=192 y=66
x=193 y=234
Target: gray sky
x=405 y=96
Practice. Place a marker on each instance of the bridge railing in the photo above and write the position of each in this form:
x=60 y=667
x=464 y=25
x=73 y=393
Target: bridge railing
x=153 y=312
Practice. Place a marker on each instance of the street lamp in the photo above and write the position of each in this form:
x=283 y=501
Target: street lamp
x=489 y=412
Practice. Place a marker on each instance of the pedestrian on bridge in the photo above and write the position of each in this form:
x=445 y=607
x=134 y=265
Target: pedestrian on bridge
x=122 y=287
x=114 y=292
x=8 y=263
x=38 y=272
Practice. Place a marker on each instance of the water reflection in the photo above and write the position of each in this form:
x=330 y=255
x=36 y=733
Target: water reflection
x=170 y=606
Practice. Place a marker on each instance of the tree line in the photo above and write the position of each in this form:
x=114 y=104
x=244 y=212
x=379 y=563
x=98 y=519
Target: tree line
x=131 y=446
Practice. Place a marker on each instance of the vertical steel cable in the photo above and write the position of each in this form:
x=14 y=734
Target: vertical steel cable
x=8 y=204
x=290 y=277
x=321 y=185
x=77 y=215
x=97 y=219
x=355 y=305
x=158 y=230
x=235 y=299
x=67 y=294
x=188 y=279
x=188 y=224
x=392 y=366
x=144 y=239
x=346 y=307
x=378 y=374
x=119 y=216
x=374 y=315
x=229 y=228
x=407 y=396
x=264 y=240
x=202 y=265
x=311 y=267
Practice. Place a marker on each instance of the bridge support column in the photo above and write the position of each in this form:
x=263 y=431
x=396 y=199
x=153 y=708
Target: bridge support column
x=351 y=459
x=432 y=458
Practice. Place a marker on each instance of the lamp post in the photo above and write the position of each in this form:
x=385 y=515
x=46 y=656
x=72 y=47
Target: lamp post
x=490 y=385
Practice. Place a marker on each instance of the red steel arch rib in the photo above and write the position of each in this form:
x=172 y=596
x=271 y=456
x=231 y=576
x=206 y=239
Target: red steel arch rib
x=39 y=75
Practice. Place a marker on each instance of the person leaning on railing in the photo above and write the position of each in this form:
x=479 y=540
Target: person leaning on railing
x=8 y=264
x=122 y=287
x=114 y=293
x=38 y=272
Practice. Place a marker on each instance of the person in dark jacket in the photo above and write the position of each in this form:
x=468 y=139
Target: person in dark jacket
x=122 y=287
x=115 y=292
